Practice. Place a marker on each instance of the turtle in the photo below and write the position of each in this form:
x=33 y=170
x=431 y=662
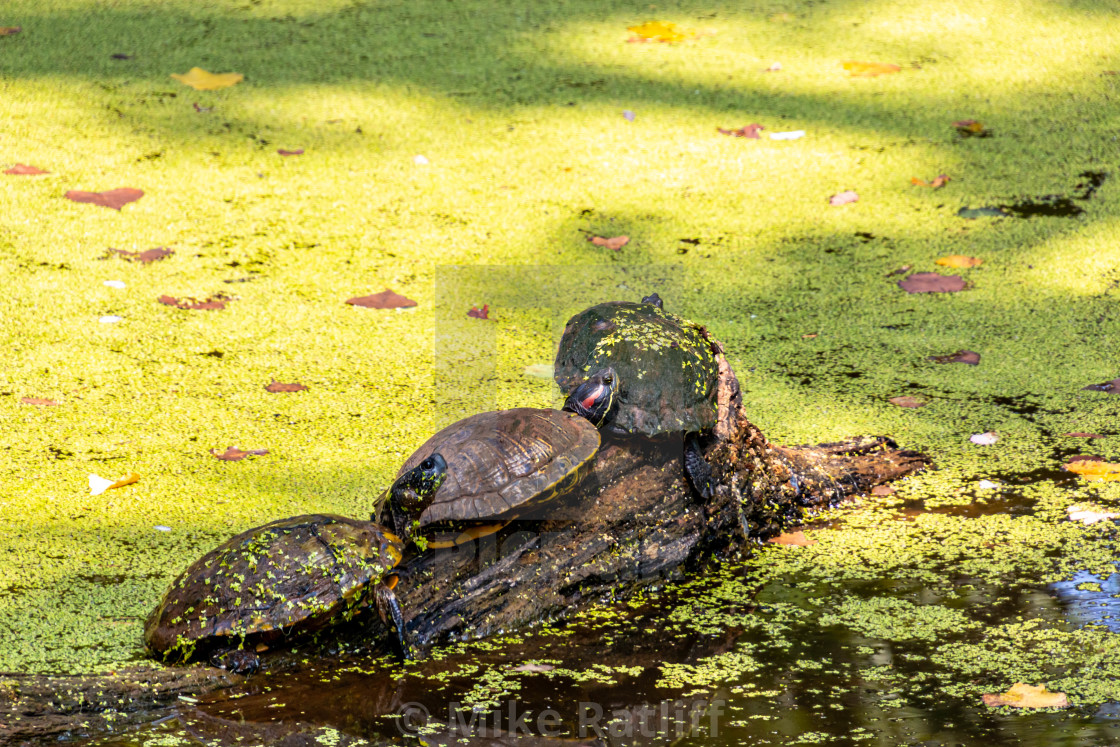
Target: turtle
x=668 y=368
x=293 y=575
x=475 y=475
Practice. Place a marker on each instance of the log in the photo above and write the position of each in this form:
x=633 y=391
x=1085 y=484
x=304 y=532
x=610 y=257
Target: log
x=634 y=521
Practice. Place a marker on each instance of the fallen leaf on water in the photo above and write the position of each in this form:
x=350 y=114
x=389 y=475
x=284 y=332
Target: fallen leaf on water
x=201 y=109
x=22 y=169
x=810 y=336
x=774 y=67
x=539 y=370
x=1093 y=470
x=1079 y=434
x=843 y=198
x=931 y=282
x=658 y=31
x=796 y=539
x=118 y=284
x=277 y=387
x=912 y=402
x=477 y=313
x=869 y=69
x=233 y=454
x=791 y=135
x=114 y=198
x=10 y=30
x=386 y=299
x=110 y=319
x=959 y=261
x=39 y=401
x=982 y=212
x=614 y=243
x=213 y=303
x=529 y=667
x=1090 y=514
x=98 y=485
x=984 y=439
x=296 y=152
x=750 y=131
x=1112 y=387
x=628 y=115
x=145 y=257
x=200 y=80
x=987 y=485
x=961 y=356
x=971 y=128
x=882 y=490
x=420 y=160
x=1026 y=696
x=938 y=181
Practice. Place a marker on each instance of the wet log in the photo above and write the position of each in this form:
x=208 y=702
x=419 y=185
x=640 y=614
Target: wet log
x=634 y=521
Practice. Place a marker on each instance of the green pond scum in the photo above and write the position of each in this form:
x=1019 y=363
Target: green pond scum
x=968 y=578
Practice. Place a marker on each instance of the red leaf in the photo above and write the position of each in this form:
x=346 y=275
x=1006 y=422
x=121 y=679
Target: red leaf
x=25 y=170
x=477 y=313
x=114 y=198
x=961 y=356
x=145 y=257
x=912 y=402
x=276 y=387
x=296 y=152
x=386 y=299
x=843 y=198
x=931 y=282
x=615 y=243
x=190 y=304
x=1112 y=387
x=39 y=401
x=233 y=454
x=750 y=131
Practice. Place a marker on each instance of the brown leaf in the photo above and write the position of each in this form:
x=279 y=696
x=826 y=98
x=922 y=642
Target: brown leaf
x=114 y=198
x=276 y=387
x=528 y=667
x=386 y=299
x=233 y=454
x=145 y=257
x=10 y=30
x=796 y=538
x=971 y=128
x=938 y=181
x=750 y=131
x=615 y=243
x=931 y=282
x=900 y=271
x=869 y=69
x=21 y=169
x=1021 y=695
x=190 y=304
x=39 y=401
x=477 y=313
x=1083 y=458
x=1079 y=434
x=961 y=356
x=843 y=198
x=1112 y=387
x=882 y=490
x=959 y=261
x=296 y=152
x=908 y=402
x=1093 y=469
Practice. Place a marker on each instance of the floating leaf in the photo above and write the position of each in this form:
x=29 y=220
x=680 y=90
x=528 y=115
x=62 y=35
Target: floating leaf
x=843 y=198
x=795 y=539
x=938 y=181
x=39 y=401
x=774 y=67
x=277 y=387
x=960 y=261
x=931 y=282
x=118 y=284
x=98 y=485
x=869 y=69
x=1094 y=470
x=882 y=490
x=961 y=356
x=1112 y=387
x=296 y=152
x=628 y=115
x=912 y=402
x=982 y=212
x=386 y=299
x=477 y=313
x=658 y=31
x=22 y=169
x=420 y=160
x=114 y=198
x=1090 y=514
x=791 y=135
x=987 y=485
x=1079 y=434
x=984 y=439
x=233 y=454
x=1026 y=696
x=213 y=303
x=145 y=257
x=532 y=667
x=202 y=109
x=615 y=243
x=971 y=128
x=200 y=80
x=749 y=131
x=110 y=319
x=10 y=30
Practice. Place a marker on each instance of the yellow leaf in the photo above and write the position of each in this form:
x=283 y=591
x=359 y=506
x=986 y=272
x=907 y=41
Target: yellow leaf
x=200 y=80
x=959 y=260
x=1094 y=470
x=661 y=31
x=1027 y=696
x=128 y=479
x=869 y=69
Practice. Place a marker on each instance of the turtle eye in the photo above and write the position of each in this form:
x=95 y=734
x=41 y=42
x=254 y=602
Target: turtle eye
x=608 y=379
x=428 y=463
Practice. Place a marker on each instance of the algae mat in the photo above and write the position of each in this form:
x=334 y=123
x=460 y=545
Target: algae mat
x=462 y=154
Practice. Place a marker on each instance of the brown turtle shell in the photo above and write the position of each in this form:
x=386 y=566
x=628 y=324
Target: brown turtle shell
x=502 y=462
x=294 y=574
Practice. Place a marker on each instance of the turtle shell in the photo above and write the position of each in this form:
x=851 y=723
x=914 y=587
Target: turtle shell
x=667 y=366
x=299 y=573
x=502 y=462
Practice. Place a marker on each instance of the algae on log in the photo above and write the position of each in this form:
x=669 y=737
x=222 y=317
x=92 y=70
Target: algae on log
x=634 y=521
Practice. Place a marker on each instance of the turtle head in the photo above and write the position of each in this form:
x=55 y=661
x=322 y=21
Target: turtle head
x=594 y=398
x=654 y=300
x=414 y=490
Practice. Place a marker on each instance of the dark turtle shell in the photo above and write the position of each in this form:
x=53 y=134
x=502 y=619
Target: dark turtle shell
x=294 y=574
x=667 y=366
x=504 y=462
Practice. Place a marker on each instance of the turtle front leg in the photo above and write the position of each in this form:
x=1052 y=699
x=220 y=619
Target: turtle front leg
x=236 y=660
x=388 y=608
x=696 y=467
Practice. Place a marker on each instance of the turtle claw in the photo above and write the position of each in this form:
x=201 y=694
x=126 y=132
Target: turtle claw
x=699 y=473
x=236 y=660
x=389 y=609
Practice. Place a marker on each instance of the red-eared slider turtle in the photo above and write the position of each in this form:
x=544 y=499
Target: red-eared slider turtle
x=667 y=366
x=497 y=465
x=297 y=574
